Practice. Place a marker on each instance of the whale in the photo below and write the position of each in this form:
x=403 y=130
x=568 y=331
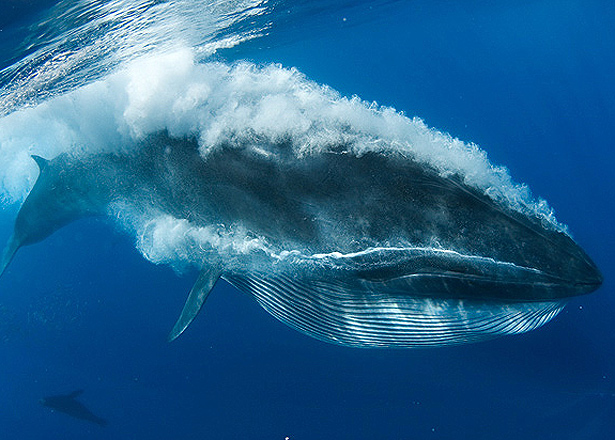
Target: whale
x=362 y=249
x=68 y=404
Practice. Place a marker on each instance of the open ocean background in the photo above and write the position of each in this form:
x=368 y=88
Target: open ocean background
x=530 y=82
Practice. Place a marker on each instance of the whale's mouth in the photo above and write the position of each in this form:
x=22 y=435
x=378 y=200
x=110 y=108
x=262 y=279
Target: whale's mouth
x=415 y=296
x=438 y=273
x=591 y=284
x=527 y=285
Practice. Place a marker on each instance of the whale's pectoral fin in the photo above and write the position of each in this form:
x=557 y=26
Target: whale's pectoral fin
x=9 y=252
x=199 y=293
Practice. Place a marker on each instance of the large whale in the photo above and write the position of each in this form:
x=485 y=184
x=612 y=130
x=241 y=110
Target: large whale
x=370 y=250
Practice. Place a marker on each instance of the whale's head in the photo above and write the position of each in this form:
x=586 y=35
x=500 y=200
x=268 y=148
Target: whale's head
x=557 y=270
x=526 y=261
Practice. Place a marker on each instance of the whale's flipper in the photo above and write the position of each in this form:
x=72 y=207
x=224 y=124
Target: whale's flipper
x=9 y=252
x=199 y=293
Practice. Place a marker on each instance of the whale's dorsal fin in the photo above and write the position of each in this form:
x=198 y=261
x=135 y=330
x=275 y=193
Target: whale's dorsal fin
x=199 y=293
x=40 y=161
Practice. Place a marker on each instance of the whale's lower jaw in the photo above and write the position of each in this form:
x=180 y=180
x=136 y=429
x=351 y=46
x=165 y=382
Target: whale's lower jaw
x=426 y=272
x=333 y=313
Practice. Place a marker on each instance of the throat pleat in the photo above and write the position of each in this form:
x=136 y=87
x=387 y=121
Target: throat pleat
x=334 y=312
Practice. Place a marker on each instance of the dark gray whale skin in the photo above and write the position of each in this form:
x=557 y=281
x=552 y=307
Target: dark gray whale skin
x=433 y=236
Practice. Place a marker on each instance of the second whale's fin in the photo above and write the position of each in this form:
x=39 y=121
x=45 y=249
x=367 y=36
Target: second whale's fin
x=9 y=252
x=199 y=293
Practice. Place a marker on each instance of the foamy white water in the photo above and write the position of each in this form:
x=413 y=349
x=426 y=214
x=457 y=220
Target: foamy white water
x=240 y=104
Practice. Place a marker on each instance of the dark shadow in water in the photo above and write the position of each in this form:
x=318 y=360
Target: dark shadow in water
x=69 y=405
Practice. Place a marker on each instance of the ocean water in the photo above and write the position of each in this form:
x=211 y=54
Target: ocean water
x=530 y=83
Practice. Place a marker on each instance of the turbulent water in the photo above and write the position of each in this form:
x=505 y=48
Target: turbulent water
x=96 y=77
x=102 y=76
x=76 y=42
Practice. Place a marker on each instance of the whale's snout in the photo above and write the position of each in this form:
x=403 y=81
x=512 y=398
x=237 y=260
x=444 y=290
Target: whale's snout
x=588 y=277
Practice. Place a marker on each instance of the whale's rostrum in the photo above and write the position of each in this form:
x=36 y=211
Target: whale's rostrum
x=373 y=249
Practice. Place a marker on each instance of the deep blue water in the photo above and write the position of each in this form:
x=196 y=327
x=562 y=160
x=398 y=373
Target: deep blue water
x=530 y=82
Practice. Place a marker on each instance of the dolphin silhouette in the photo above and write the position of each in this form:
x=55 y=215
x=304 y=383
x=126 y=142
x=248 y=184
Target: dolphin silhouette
x=68 y=404
x=368 y=250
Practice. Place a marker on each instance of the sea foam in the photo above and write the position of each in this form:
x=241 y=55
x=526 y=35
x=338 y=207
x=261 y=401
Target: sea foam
x=241 y=105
